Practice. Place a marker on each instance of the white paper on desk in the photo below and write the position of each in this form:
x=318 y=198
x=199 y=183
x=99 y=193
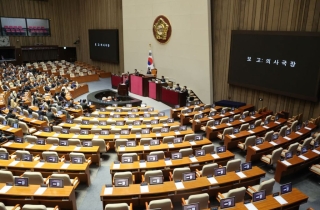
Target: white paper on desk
x=253 y=117
x=286 y=163
x=122 y=149
x=8 y=144
x=77 y=126
x=241 y=120
x=30 y=146
x=94 y=126
x=149 y=126
x=158 y=134
x=144 y=189
x=56 y=135
x=9 y=129
x=210 y=118
x=303 y=157
x=76 y=148
x=138 y=135
x=174 y=110
x=179 y=185
x=231 y=112
x=14 y=163
x=125 y=118
x=222 y=115
x=288 y=138
x=197 y=120
x=130 y=126
x=37 y=133
x=112 y=126
x=215 y=156
x=232 y=136
x=241 y=175
x=273 y=143
x=299 y=133
x=111 y=113
x=213 y=127
x=280 y=199
x=168 y=162
x=40 y=190
x=177 y=132
x=75 y=136
x=250 y=206
x=5 y=189
x=141 y=118
x=277 y=122
x=255 y=148
x=53 y=147
x=186 y=114
x=108 y=190
x=143 y=165
x=193 y=159
x=146 y=147
x=266 y=127
x=116 y=136
x=39 y=165
x=212 y=180
x=156 y=118
x=171 y=145
x=316 y=151
x=116 y=166
x=307 y=128
x=229 y=124
x=250 y=131
x=192 y=142
x=65 y=166
x=165 y=124
x=96 y=136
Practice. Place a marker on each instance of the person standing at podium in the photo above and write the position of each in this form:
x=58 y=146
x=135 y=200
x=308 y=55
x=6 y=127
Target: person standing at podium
x=136 y=72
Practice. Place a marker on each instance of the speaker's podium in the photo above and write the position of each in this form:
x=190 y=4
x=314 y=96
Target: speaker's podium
x=122 y=89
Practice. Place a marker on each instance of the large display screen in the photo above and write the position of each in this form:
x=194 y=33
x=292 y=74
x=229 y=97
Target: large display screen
x=104 y=45
x=285 y=63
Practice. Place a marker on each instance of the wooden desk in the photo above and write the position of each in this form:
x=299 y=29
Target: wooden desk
x=30 y=121
x=185 y=118
x=34 y=149
x=82 y=89
x=155 y=89
x=75 y=112
x=172 y=98
x=231 y=141
x=111 y=137
x=212 y=132
x=140 y=113
x=121 y=118
x=74 y=170
x=87 y=78
x=267 y=147
x=297 y=164
x=65 y=197
x=168 y=189
x=11 y=131
x=167 y=148
x=115 y=81
x=174 y=112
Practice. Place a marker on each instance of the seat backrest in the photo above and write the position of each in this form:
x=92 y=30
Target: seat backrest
x=244 y=127
x=100 y=143
x=245 y=113
x=160 y=154
x=196 y=108
x=64 y=177
x=45 y=154
x=144 y=141
x=33 y=207
x=152 y=173
x=135 y=130
x=276 y=154
x=208 y=148
x=74 y=141
x=293 y=148
x=189 y=137
x=120 y=142
x=224 y=120
x=174 y=127
x=24 y=127
x=116 y=206
x=156 y=129
x=93 y=121
x=115 y=130
x=77 y=154
x=282 y=131
x=75 y=130
x=267 y=186
x=268 y=118
x=268 y=136
x=124 y=175
x=31 y=139
x=35 y=178
x=133 y=155
x=250 y=141
x=167 y=139
x=2 y=206
x=52 y=140
x=178 y=173
x=208 y=169
x=210 y=123
x=56 y=128
x=227 y=131
x=77 y=121
x=236 y=117
x=238 y=193
x=294 y=126
x=6 y=176
x=19 y=153
x=25 y=113
x=306 y=142
x=95 y=130
x=258 y=122
x=186 y=152
x=202 y=199
x=233 y=165
x=35 y=115
x=161 y=203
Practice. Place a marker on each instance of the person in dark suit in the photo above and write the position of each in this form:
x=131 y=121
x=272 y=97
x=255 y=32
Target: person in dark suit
x=5 y=88
x=163 y=79
x=136 y=72
x=47 y=88
x=84 y=105
x=127 y=82
x=148 y=71
x=50 y=115
x=11 y=114
x=178 y=88
x=63 y=94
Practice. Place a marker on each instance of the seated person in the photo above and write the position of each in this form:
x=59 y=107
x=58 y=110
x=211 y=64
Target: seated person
x=148 y=71
x=178 y=88
x=5 y=87
x=11 y=114
x=163 y=79
x=4 y=137
x=136 y=72
x=50 y=115
x=84 y=105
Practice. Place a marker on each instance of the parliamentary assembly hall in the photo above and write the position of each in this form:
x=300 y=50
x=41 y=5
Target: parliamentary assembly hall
x=159 y=104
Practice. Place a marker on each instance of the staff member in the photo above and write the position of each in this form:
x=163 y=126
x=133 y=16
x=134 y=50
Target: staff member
x=163 y=79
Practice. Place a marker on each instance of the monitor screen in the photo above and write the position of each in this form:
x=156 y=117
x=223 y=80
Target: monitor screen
x=121 y=182
x=27 y=157
x=124 y=132
x=118 y=110
x=235 y=130
x=59 y=113
x=176 y=106
x=217 y=122
x=227 y=203
x=126 y=159
x=220 y=171
x=316 y=144
x=84 y=132
x=199 y=116
x=246 y=166
x=21 y=181
x=211 y=114
x=102 y=109
x=286 y=188
x=155 y=180
x=164 y=130
x=85 y=122
x=40 y=117
x=46 y=129
x=258 y=196
x=131 y=143
x=131 y=115
x=151 y=109
x=76 y=160
x=221 y=149
x=145 y=131
x=41 y=141
x=198 y=137
x=134 y=110
x=104 y=132
x=102 y=115
x=304 y=149
x=69 y=121
x=298 y=127
x=63 y=142
x=104 y=45
x=147 y=115
x=4 y=156
x=192 y=206
x=223 y=111
x=275 y=136
x=119 y=123
x=252 y=126
x=65 y=131
x=161 y=114
x=87 y=143
x=57 y=183
x=231 y=119
x=137 y=122
x=259 y=141
x=189 y=176
x=154 y=142
x=288 y=131
x=288 y=155
x=15 y=125
x=116 y=115
x=52 y=159
x=183 y=128
x=276 y=117
x=187 y=104
x=200 y=152
x=4 y=122
x=152 y=158
x=177 y=140
x=18 y=140
x=176 y=155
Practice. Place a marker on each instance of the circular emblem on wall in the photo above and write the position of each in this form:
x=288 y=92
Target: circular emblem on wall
x=162 y=29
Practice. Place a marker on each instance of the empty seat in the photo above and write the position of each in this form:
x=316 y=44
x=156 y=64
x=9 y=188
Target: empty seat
x=35 y=178
x=135 y=130
x=37 y=207
x=52 y=140
x=133 y=155
x=46 y=154
x=95 y=130
x=292 y=148
x=238 y=193
x=244 y=127
x=174 y=128
x=233 y=165
x=160 y=154
x=189 y=137
x=226 y=131
x=74 y=142
x=56 y=129
x=120 y=142
x=177 y=173
x=186 y=152
x=118 y=206
x=31 y=139
x=19 y=153
x=6 y=176
x=207 y=170
x=250 y=141
x=208 y=148
x=268 y=136
x=156 y=129
x=66 y=179
x=265 y=185
x=305 y=143
x=124 y=175
x=75 y=130
x=160 y=204
x=202 y=199
x=148 y=174
x=167 y=139
x=145 y=141
x=101 y=144
x=115 y=130
x=273 y=157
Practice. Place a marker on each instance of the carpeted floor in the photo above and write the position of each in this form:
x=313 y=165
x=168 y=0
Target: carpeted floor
x=88 y=198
